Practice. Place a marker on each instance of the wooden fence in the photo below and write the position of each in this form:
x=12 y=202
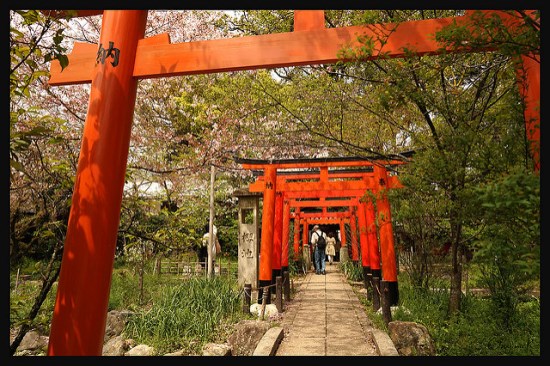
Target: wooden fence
x=190 y=269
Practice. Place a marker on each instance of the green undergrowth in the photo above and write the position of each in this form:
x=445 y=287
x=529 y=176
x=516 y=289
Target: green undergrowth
x=475 y=331
x=188 y=315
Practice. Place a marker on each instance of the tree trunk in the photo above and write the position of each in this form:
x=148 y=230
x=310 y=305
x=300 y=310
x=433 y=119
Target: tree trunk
x=456 y=271
x=47 y=283
x=210 y=268
x=141 y=272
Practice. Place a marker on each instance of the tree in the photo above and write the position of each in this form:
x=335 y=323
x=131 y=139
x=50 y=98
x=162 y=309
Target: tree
x=459 y=112
x=464 y=121
x=509 y=249
x=38 y=182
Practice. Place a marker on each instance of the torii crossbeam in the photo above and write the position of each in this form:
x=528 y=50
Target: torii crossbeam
x=114 y=66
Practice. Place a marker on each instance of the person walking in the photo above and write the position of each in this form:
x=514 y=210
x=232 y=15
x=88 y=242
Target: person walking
x=330 y=251
x=318 y=242
x=216 y=247
x=312 y=251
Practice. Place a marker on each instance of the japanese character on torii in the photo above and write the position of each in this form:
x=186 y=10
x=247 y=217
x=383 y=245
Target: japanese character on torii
x=113 y=68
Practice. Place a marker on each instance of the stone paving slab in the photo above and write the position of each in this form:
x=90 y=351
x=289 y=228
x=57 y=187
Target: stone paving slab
x=325 y=318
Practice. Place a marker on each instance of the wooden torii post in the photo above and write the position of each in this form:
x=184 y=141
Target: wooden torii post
x=113 y=68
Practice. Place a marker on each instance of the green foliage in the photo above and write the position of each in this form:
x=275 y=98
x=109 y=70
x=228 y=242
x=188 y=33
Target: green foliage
x=509 y=247
x=188 y=314
x=491 y=31
x=22 y=299
x=475 y=330
x=352 y=270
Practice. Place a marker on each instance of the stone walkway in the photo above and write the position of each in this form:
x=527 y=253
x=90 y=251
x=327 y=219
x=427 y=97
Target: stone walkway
x=326 y=318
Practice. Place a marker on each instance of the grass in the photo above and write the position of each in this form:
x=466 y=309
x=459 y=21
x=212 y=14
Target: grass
x=475 y=331
x=188 y=315
x=183 y=314
x=172 y=313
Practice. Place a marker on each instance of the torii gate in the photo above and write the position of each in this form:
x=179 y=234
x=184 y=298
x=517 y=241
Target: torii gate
x=358 y=209
x=289 y=176
x=325 y=183
x=113 y=68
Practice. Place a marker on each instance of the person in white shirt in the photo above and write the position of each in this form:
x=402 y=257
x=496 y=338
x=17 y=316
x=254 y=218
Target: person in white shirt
x=216 y=247
x=318 y=250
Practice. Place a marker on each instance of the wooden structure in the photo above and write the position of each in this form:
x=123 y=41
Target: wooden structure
x=322 y=179
x=114 y=66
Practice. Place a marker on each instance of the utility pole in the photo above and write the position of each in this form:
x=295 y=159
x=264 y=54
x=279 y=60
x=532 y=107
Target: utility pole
x=210 y=269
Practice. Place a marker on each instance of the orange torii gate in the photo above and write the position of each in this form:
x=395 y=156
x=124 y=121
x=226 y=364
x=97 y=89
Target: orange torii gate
x=297 y=176
x=113 y=67
x=370 y=253
x=274 y=183
x=307 y=218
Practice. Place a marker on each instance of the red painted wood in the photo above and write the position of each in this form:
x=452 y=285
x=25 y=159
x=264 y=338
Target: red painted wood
x=372 y=237
x=389 y=266
x=80 y=313
x=321 y=164
x=353 y=236
x=305 y=232
x=363 y=243
x=319 y=216
x=309 y=20
x=285 y=234
x=268 y=217
x=296 y=238
x=305 y=47
x=528 y=75
x=277 y=232
x=331 y=203
x=343 y=239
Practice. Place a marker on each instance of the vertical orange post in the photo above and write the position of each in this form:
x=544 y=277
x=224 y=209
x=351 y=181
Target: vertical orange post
x=528 y=76
x=268 y=217
x=305 y=237
x=362 y=219
x=80 y=313
x=389 y=266
x=277 y=237
x=296 y=237
x=286 y=231
x=343 y=240
x=305 y=232
x=353 y=227
x=309 y=19
x=365 y=248
x=372 y=239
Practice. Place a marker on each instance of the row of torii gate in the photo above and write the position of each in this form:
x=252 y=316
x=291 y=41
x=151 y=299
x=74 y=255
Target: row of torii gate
x=349 y=192
x=123 y=56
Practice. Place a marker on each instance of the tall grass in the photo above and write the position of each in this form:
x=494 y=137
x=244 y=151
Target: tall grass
x=188 y=315
x=475 y=331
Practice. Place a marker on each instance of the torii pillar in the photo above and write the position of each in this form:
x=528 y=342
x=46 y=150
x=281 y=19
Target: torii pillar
x=353 y=229
x=80 y=313
x=296 y=236
x=285 y=235
x=344 y=254
x=306 y=248
x=276 y=267
x=389 y=265
x=364 y=246
x=268 y=220
x=374 y=255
